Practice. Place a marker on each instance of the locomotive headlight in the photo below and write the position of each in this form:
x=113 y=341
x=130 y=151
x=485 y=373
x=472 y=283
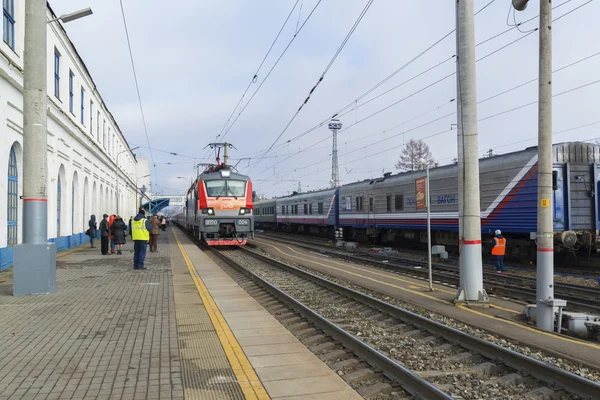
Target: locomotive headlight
x=244 y=211
x=242 y=222
x=211 y=222
x=209 y=211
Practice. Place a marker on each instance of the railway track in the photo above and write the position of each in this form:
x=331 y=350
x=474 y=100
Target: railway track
x=427 y=359
x=579 y=298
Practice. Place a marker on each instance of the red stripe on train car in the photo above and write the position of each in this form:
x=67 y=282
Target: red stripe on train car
x=526 y=178
x=226 y=242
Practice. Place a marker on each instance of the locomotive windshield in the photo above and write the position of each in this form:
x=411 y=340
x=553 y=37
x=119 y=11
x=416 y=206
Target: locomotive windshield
x=225 y=188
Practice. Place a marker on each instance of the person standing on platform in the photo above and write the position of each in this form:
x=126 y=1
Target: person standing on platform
x=164 y=223
x=154 y=234
x=140 y=233
x=104 y=233
x=111 y=219
x=118 y=230
x=92 y=230
x=499 y=250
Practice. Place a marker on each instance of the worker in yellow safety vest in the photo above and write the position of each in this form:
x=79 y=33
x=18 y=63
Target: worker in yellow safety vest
x=498 y=251
x=140 y=229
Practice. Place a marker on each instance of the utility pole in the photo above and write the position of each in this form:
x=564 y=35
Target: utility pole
x=335 y=125
x=471 y=289
x=544 y=237
x=35 y=259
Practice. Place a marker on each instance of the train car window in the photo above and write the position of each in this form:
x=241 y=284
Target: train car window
x=388 y=203
x=236 y=188
x=310 y=208
x=282 y=210
x=216 y=188
x=554 y=180
x=399 y=202
x=305 y=209
x=361 y=203
x=320 y=208
x=370 y=204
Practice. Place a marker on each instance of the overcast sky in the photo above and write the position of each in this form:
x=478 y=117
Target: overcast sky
x=195 y=58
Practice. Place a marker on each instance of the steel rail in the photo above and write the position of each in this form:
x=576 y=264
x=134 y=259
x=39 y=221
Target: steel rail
x=549 y=374
x=407 y=379
x=580 y=297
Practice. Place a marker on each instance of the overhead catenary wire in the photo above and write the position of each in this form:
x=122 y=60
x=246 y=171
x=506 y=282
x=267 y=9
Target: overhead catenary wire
x=255 y=75
x=354 y=102
x=337 y=53
x=440 y=80
x=137 y=86
x=450 y=130
x=271 y=70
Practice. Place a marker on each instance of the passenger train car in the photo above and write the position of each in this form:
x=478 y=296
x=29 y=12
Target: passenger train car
x=218 y=208
x=384 y=209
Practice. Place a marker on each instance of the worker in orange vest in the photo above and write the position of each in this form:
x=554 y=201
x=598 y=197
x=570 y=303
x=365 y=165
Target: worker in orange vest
x=499 y=250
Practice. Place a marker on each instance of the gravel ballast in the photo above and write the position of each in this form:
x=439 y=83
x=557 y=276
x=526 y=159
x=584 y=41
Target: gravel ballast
x=462 y=374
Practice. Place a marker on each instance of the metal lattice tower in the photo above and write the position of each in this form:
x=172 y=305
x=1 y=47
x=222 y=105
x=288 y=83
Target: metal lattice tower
x=335 y=125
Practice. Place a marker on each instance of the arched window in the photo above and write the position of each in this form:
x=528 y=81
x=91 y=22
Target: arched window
x=73 y=206
x=13 y=198
x=58 y=208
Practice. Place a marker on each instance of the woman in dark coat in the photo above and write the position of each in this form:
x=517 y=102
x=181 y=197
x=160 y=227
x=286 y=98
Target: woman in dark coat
x=118 y=229
x=92 y=230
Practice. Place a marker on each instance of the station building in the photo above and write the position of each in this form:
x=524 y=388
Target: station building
x=86 y=148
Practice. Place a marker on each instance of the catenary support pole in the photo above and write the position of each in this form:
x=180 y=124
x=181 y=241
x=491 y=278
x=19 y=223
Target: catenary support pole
x=35 y=259
x=471 y=289
x=545 y=244
x=460 y=167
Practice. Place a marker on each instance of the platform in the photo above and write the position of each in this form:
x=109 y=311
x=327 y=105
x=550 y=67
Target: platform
x=500 y=318
x=181 y=329
x=284 y=366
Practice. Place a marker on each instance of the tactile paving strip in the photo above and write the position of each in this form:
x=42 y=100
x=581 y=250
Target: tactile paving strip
x=206 y=372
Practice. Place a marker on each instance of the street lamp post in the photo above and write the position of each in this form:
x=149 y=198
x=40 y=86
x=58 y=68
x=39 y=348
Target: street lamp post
x=117 y=172
x=35 y=259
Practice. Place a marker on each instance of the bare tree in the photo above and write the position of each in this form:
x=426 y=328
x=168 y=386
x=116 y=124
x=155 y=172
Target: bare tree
x=412 y=153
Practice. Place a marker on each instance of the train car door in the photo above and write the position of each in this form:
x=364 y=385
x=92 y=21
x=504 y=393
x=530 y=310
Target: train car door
x=371 y=212
x=597 y=193
x=559 y=198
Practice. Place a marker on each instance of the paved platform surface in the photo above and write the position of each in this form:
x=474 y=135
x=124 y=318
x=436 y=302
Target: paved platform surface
x=181 y=329
x=109 y=332
x=286 y=368
x=501 y=318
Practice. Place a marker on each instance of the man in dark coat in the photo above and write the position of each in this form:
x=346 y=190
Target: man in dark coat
x=92 y=230
x=104 y=233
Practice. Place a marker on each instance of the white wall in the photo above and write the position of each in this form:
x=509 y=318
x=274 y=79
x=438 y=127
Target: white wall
x=74 y=148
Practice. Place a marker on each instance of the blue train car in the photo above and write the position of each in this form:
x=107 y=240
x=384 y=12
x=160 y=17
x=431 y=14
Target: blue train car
x=384 y=209
x=313 y=212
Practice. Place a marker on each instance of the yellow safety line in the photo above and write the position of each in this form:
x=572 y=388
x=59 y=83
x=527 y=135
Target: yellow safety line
x=249 y=382
x=550 y=334
x=531 y=329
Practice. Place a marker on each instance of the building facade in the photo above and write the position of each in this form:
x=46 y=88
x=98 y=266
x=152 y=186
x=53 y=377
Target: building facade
x=85 y=144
